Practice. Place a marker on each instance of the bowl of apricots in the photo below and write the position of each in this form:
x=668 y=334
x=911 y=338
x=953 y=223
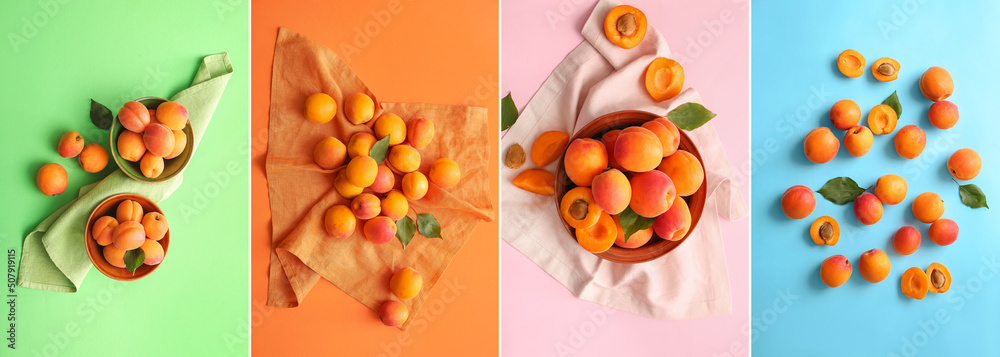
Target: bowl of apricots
x=632 y=166
x=151 y=139
x=123 y=223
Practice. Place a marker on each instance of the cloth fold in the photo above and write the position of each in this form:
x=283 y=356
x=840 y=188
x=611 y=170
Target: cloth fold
x=300 y=192
x=54 y=256
x=598 y=78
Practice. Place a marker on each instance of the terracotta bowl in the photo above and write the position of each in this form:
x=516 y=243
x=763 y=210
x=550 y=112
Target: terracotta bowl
x=171 y=167
x=96 y=251
x=656 y=247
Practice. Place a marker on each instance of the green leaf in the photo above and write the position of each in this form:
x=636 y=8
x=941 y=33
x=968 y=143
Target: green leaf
x=841 y=190
x=508 y=112
x=632 y=222
x=690 y=116
x=972 y=196
x=428 y=226
x=893 y=101
x=405 y=230
x=379 y=150
x=100 y=115
x=134 y=259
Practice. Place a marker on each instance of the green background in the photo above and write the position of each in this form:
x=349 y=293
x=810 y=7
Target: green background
x=197 y=302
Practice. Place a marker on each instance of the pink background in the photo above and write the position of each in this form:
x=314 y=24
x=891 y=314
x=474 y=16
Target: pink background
x=539 y=317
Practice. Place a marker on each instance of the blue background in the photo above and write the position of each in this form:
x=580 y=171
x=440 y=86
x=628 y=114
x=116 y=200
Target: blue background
x=794 y=83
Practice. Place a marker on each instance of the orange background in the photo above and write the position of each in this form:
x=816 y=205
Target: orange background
x=440 y=52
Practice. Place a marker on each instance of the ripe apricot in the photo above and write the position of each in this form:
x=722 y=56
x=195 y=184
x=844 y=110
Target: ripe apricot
x=851 y=63
x=380 y=230
x=685 y=172
x=366 y=206
x=820 y=145
x=159 y=139
x=134 y=116
x=943 y=232
x=320 y=108
x=906 y=240
x=943 y=114
x=585 y=159
x=393 y=313
x=103 y=230
x=154 y=225
x=359 y=108
x=874 y=265
x=936 y=84
x=344 y=187
x=798 y=202
x=548 y=147
x=608 y=139
x=130 y=146
x=673 y=225
x=612 y=191
x=928 y=207
x=939 y=277
x=964 y=164
x=52 y=179
x=361 y=171
x=339 y=221
x=825 y=230
x=390 y=125
x=625 y=26
x=858 y=140
x=173 y=115
x=654 y=193
x=153 y=252
x=404 y=158
x=664 y=135
x=664 y=79
x=420 y=131
x=882 y=119
x=579 y=209
x=915 y=283
x=330 y=153
x=910 y=141
x=394 y=205
x=384 y=180
x=599 y=237
x=151 y=165
x=128 y=235
x=637 y=150
x=414 y=185
x=844 y=114
x=360 y=144
x=70 y=145
x=675 y=135
x=128 y=210
x=536 y=181
x=93 y=158
x=868 y=209
x=445 y=173
x=885 y=69
x=890 y=189
x=406 y=283
x=636 y=240
x=835 y=271
x=114 y=256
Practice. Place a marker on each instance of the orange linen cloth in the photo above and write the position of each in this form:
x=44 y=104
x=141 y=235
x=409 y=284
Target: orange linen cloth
x=300 y=191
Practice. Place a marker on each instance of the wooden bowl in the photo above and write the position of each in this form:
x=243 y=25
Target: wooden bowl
x=656 y=247
x=171 y=167
x=96 y=252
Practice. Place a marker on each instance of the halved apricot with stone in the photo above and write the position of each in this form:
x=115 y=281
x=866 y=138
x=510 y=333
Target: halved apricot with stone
x=612 y=191
x=858 y=140
x=943 y=114
x=548 y=147
x=928 y=207
x=585 y=159
x=936 y=84
x=915 y=283
x=653 y=193
x=835 y=271
x=579 y=209
x=636 y=240
x=664 y=79
x=798 y=202
x=600 y=236
x=939 y=277
x=885 y=69
x=625 y=26
x=910 y=141
x=825 y=230
x=874 y=265
x=906 y=240
x=685 y=171
x=673 y=225
x=964 y=164
x=890 y=189
x=851 y=63
x=844 y=114
x=536 y=181
x=882 y=119
x=820 y=145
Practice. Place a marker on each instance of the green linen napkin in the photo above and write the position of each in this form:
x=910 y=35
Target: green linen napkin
x=54 y=256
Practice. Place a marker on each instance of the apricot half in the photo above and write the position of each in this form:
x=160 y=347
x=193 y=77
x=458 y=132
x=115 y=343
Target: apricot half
x=599 y=237
x=835 y=271
x=664 y=78
x=882 y=119
x=625 y=26
x=825 y=230
x=820 y=145
x=579 y=209
x=874 y=265
x=851 y=63
x=536 y=181
x=915 y=283
x=940 y=278
x=936 y=84
x=885 y=69
x=548 y=147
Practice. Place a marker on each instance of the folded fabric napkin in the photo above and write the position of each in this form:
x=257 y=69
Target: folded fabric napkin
x=598 y=78
x=54 y=256
x=300 y=191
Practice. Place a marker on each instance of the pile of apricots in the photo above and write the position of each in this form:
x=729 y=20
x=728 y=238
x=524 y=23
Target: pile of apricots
x=130 y=229
x=625 y=26
x=638 y=167
x=52 y=178
x=152 y=135
x=821 y=146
